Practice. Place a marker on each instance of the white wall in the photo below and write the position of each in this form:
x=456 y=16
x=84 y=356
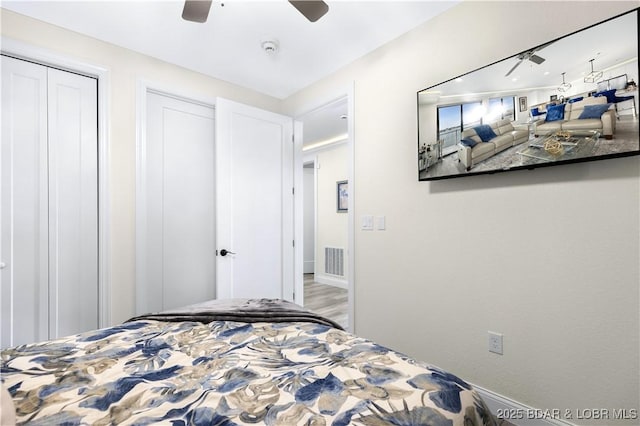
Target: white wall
x=549 y=257
x=126 y=68
x=332 y=229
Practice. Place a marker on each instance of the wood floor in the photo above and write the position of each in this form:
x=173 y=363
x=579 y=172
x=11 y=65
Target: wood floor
x=326 y=300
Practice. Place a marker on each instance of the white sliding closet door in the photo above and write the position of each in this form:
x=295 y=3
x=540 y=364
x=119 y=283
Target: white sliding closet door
x=24 y=250
x=73 y=203
x=176 y=265
x=48 y=160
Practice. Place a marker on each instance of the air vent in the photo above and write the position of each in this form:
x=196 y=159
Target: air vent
x=334 y=261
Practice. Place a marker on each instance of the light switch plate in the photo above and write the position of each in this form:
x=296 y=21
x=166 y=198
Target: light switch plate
x=367 y=223
x=380 y=223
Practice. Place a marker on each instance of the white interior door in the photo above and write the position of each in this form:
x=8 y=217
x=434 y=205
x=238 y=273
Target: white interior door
x=177 y=205
x=49 y=203
x=254 y=202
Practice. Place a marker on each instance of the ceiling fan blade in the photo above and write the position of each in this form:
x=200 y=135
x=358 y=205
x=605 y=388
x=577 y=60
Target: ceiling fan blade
x=514 y=67
x=311 y=9
x=196 y=10
x=530 y=55
x=536 y=59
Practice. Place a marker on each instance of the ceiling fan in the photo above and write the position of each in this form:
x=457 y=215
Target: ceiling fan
x=529 y=55
x=198 y=10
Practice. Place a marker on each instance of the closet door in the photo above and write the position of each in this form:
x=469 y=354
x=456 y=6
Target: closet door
x=24 y=204
x=73 y=203
x=49 y=280
x=176 y=206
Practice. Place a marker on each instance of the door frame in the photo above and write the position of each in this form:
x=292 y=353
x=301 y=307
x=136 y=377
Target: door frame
x=143 y=88
x=299 y=160
x=312 y=159
x=46 y=57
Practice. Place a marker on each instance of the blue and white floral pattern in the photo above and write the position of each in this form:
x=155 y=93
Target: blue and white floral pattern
x=230 y=373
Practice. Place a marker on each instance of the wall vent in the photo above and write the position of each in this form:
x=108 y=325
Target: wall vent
x=334 y=261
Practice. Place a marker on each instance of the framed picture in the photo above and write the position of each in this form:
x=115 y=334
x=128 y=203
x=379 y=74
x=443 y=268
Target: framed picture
x=523 y=103
x=342 y=193
x=553 y=98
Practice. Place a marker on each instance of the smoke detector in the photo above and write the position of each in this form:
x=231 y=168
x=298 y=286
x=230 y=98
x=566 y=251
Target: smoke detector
x=270 y=46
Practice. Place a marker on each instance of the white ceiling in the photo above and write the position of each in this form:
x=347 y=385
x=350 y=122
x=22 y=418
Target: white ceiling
x=611 y=44
x=228 y=45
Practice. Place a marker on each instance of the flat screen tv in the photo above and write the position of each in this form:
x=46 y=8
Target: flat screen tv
x=561 y=102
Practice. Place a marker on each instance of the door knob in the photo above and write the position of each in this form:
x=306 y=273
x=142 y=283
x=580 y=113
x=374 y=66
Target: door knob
x=225 y=252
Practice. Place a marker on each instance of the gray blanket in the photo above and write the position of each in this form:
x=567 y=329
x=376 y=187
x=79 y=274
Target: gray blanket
x=241 y=310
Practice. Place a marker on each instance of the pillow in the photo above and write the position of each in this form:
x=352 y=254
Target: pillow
x=468 y=142
x=555 y=112
x=609 y=94
x=485 y=132
x=570 y=101
x=593 y=111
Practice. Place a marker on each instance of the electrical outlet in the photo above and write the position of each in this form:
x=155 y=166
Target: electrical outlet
x=495 y=342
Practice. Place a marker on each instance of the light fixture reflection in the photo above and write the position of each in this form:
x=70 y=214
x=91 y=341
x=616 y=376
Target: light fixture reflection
x=564 y=86
x=593 y=76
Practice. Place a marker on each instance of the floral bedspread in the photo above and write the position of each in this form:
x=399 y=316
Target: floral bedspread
x=228 y=373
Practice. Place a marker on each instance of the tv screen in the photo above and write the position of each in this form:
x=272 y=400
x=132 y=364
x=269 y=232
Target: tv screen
x=569 y=100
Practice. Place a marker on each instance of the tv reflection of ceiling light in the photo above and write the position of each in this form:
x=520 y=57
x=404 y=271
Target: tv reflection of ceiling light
x=564 y=86
x=459 y=80
x=593 y=76
x=514 y=79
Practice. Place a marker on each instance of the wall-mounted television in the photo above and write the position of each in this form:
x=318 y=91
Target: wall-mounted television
x=561 y=102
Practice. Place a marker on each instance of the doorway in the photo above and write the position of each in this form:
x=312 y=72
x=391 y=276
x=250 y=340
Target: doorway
x=325 y=170
x=214 y=205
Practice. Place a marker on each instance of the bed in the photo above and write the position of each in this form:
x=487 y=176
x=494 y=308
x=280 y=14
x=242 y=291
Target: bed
x=255 y=361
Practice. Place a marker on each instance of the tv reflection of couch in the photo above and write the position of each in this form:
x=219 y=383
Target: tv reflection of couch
x=570 y=118
x=505 y=137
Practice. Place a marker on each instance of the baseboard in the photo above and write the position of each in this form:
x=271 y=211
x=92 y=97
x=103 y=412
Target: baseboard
x=519 y=414
x=309 y=266
x=331 y=280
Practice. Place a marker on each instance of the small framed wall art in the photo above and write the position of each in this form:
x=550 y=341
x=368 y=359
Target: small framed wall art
x=342 y=196
x=522 y=100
